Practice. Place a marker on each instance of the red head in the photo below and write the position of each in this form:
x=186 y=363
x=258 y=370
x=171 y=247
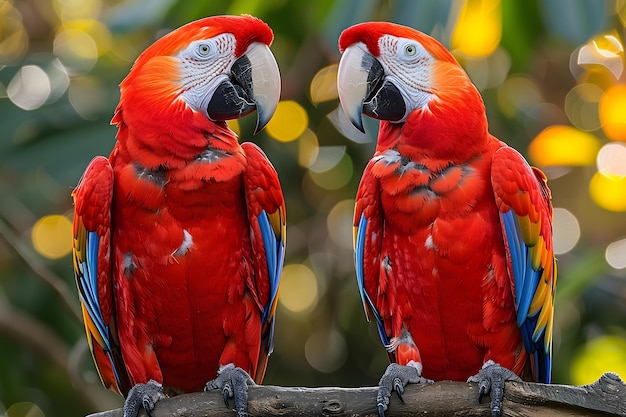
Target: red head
x=411 y=82
x=194 y=78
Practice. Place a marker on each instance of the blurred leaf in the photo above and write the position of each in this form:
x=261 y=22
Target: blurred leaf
x=132 y=15
x=587 y=269
x=343 y=15
x=425 y=15
x=574 y=20
x=522 y=31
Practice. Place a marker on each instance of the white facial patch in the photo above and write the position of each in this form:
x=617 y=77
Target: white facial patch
x=205 y=63
x=408 y=66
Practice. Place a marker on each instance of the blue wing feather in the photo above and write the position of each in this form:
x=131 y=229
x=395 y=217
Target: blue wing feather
x=274 y=255
x=88 y=286
x=526 y=280
x=91 y=250
x=368 y=304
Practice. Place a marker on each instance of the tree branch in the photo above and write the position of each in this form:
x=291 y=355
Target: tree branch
x=605 y=397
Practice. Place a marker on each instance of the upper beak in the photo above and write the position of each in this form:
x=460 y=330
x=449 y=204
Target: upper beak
x=254 y=83
x=364 y=88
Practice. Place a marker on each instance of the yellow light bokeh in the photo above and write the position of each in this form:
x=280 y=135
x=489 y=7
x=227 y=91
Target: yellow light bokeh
x=600 y=355
x=289 y=121
x=324 y=85
x=620 y=10
x=336 y=177
x=608 y=192
x=77 y=9
x=97 y=30
x=76 y=49
x=518 y=94
x=582 y=104
x=13 y=35
x=24 y=409
x=340 y=223
x=479 y=28
x=298 y=288
x=613 y=112
x=308 y=148
x=561 y=145
x=326 y=351
x=52 y=236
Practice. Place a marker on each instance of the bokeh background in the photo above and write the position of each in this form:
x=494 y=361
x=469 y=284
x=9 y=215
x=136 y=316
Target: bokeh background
x=552 y=76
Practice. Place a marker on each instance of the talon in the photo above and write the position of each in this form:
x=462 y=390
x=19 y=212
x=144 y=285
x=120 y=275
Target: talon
x=491 y=379
x=234 y=384
x=399 y=388
x=396 y=378
x=143 y=396
x=226 y=392
x=482 y=392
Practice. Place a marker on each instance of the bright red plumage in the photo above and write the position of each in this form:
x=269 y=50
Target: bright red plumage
x=437 y=287
x=188 y=226
x=453 y=239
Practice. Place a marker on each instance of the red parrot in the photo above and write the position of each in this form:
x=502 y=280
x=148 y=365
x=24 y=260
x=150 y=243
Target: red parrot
x=452 y=227
x=179 y=235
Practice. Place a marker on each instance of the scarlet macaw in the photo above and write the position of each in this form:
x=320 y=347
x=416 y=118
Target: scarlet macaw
x=179 y=235
x=452 y=227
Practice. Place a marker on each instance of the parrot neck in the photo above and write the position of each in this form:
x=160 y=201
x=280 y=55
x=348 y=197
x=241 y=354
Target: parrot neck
x=452 y=126
x=172 y=138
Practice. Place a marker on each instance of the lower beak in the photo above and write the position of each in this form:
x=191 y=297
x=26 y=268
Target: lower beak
x=364 y=88
x=253 y=84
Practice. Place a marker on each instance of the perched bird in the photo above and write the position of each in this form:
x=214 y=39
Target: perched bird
x=452 y=227
x=179 y=235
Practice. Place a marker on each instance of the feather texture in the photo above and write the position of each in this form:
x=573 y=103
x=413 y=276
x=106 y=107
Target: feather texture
x=179 y=235
x=452 y=228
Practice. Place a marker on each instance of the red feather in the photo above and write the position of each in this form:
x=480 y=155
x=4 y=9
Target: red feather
x=436 y=258
x=183 y=285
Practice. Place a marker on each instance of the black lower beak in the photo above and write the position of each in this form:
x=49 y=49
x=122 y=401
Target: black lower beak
x=383 y=99
x=233 y=97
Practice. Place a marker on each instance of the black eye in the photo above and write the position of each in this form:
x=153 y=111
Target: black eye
x=410 y=50
x=204 y=49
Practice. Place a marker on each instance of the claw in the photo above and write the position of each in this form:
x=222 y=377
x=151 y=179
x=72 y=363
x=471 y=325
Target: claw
x=398 y=388
x=491 y=379
x=227 y=392
x=143 y=396
x=234 y=384
x=483 y=389
x=395 y=378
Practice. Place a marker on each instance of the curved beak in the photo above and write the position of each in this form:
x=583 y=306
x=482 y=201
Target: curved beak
x=253 y=84
x=364 y=88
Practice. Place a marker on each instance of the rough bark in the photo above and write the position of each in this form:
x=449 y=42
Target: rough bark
x=605 y=397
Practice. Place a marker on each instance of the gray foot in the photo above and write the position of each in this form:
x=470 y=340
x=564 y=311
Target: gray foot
x=491 y=379
x=143 y=396
x=395 y=378
x=234 y=384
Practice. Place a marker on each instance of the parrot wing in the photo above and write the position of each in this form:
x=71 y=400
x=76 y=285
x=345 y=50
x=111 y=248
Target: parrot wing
x=367 y=240
x=525 y=210
x=266 y=215
x=92 y=270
